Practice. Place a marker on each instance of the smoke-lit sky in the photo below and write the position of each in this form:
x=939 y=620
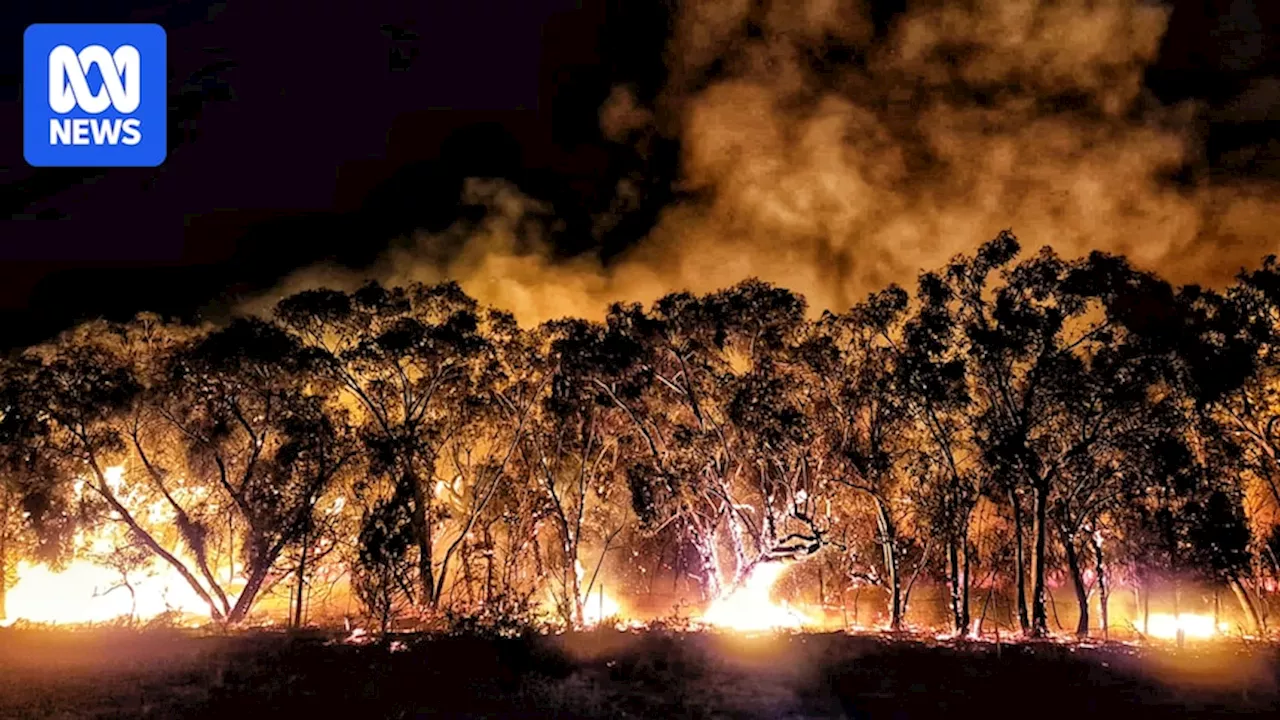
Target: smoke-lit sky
x=819 y=143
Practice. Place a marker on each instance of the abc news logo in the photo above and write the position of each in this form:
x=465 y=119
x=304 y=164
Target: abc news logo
x=69 y=89
x=94 y=95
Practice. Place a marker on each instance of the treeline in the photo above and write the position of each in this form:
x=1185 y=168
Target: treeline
x=1112 y=429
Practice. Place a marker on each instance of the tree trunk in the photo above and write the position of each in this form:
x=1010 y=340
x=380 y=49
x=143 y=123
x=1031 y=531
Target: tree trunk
x=1104 y=590
x=231 y=549
x=1246 y=604
x=1020 y=560
x=5 y=509
x=384 y=612
x=422 y=529
x=1077 y=583
x=1146 y=611
x=302 y=581
x=887 y=545
x=1137 y=602
x=133 y=602
x=1039 y=614
x=737 y=544
x=953 y=583
x=573 y=588
x=958 y=570
x=104 y=489
x=710 y=560
x=4 y=574
x=965 y=616
x=251 y=588
x=488 y=564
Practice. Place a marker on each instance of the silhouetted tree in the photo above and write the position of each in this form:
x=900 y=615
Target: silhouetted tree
x=864 y=417
x=414 y=360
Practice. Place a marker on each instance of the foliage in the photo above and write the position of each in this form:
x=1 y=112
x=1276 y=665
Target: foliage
x=1010 y=418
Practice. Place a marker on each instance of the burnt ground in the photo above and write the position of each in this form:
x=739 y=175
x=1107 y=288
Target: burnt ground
x=163 y=674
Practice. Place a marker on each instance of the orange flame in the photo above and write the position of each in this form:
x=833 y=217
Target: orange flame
x=1194 y=626
x=599 y=607
x=87 y=593
x=748 y=608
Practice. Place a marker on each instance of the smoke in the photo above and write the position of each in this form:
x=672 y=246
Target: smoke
x=820 y=157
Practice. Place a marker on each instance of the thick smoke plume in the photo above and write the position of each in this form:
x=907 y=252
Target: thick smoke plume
x=819 y=157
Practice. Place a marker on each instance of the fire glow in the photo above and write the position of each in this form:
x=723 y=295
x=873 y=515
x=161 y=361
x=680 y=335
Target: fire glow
x=598 y=608
x=748 y=608
x=84 y=592
x=87 y=593
x=1194 y=626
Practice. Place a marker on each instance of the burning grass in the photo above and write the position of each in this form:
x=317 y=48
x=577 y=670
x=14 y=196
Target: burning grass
x=606 y=673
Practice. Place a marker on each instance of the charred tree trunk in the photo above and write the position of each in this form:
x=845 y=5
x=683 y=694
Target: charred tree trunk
x=958 y=570
x=250 y=593
x=422 y=529
x=488 y=564
x=302 y=581
x=1077 y=583
x=888 y=536
x=954 y=569
x=1020 y=562
x=1039 y=614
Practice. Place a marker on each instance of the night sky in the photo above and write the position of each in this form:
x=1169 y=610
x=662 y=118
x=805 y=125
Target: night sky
x=303 y=131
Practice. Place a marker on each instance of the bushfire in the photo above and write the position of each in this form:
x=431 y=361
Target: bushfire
x=85 y=593
x=749 y=608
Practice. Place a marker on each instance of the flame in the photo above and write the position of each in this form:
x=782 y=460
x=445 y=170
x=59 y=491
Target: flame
x=599 y=606
x=1195 y=626
x=749 y=609
x=87 y=593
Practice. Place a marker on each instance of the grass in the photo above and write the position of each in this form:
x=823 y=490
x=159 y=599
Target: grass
x=170 y=674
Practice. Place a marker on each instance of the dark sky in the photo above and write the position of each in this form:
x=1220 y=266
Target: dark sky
x=302 y=131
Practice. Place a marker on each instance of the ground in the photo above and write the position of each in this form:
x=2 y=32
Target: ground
x=655 y=673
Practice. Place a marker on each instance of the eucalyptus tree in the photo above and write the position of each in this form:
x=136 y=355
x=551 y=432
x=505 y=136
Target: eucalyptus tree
x=87 y=386
x=1058 y=373
x=679 y=375
x=931 y=375
x=37 y=509
x=477 y=463
x=863 y=418
x=1232 y=360
x=575 y=457
x=417 y=362
x=178 y=433
x=381 y=559
x=1224 y=373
